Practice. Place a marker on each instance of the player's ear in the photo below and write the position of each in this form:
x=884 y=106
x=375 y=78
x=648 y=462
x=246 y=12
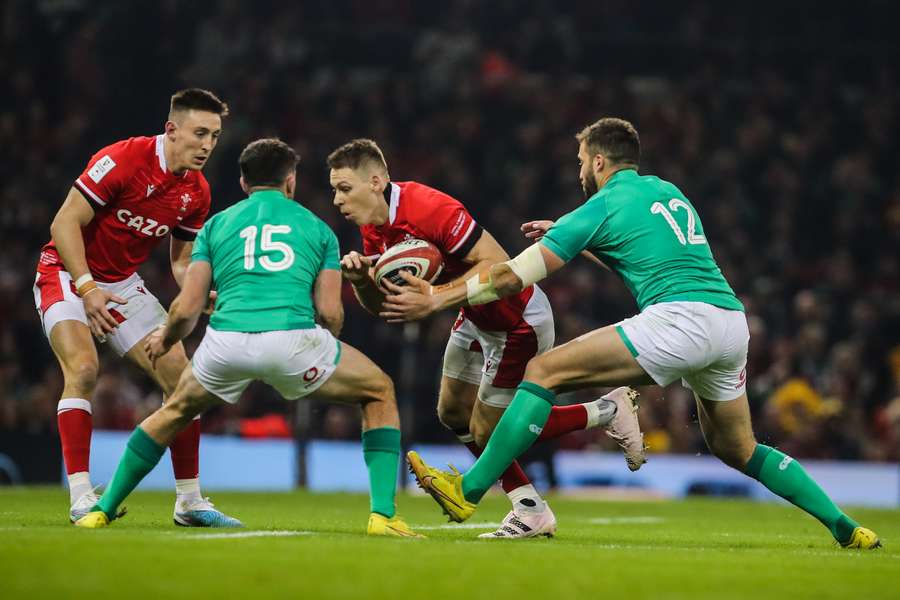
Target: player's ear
x=291 y=185
x=244 y=185
x=171 y=126
x=599 y=162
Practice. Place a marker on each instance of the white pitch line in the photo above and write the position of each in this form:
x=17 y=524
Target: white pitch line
x=459 y=526
x=245 y=534
x=624 y=520
x=595 y=521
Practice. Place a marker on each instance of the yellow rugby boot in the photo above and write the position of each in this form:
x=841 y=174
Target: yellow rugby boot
x=393 y=527
x=93 y=520
x=444 y=487
x=863 y=539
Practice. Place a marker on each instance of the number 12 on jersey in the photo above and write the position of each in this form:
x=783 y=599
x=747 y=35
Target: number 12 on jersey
x=267 y=244
x=658 y=208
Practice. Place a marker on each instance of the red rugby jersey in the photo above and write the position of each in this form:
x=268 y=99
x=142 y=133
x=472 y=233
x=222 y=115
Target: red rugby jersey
x=418 y=211
x=137 y=201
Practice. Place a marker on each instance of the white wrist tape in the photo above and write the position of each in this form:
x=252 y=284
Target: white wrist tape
x=529 y=266
x=83 y=280
x=478 y=292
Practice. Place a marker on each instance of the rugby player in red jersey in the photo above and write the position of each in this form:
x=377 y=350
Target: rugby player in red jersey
x=132 y=195
x=490 y=345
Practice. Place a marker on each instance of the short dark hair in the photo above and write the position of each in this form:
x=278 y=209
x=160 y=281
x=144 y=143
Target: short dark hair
x=357 y=153
x=267 y=162
x=197 y=99
x=616 y=139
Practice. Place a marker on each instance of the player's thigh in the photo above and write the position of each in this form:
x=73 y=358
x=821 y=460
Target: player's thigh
x=190 y=395
x=138 y=317
x=188 y=400
x=459 y=381
x=597 y=358
x=73 y=345
x=356 y=379
x=168 y=369
x=727 y=428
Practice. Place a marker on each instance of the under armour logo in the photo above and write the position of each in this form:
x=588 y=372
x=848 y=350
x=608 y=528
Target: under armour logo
x=784 y=464
x=150 y=189
x=535 y=429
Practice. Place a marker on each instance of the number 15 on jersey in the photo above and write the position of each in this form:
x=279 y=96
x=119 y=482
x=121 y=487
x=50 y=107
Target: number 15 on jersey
x=267 y=245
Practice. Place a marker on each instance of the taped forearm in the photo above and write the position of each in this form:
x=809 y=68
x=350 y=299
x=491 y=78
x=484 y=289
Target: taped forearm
x=507 y=278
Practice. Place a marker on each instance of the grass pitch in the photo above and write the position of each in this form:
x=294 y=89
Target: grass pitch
x=305 y=545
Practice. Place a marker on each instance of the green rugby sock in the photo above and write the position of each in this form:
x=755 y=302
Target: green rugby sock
x=381 y=450
x=519 y=427
x=786 y=477
x=141 y=455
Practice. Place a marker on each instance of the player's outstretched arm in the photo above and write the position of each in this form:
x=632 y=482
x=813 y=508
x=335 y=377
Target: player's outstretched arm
x=184 y=311
x=72 y=216
x=327 y=300
x=418 y=298
x=535 y=230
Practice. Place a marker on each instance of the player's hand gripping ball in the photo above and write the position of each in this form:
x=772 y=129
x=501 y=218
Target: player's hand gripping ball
x=417 y=257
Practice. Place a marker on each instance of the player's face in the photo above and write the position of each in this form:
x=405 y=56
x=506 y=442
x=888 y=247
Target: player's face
x=194 y=135
x=586 y=174
x=356 y=195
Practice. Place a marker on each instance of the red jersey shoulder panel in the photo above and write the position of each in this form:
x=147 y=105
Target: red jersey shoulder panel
x=138 y=201
x=109 y=170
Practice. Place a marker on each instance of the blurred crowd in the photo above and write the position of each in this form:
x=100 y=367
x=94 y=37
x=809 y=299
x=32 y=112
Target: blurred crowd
x=779 y=124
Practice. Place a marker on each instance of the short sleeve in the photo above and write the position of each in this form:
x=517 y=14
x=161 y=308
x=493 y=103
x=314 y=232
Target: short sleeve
x=188 y=228
x=201 y=251
x=448 y=224
x=576 y=230
x=106 y=174
x=332 y=256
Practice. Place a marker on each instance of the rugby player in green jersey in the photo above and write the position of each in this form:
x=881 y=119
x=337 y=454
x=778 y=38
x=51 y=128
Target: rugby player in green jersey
x=691 y=327
x=276 y=268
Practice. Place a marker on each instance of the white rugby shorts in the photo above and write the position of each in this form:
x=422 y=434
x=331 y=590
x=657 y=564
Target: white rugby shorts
x=703 y=345
x=495 y=361
x=295 y=362
x=56 y=299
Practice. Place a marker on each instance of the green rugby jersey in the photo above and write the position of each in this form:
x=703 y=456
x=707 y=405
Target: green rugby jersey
x=649 y=233
x=265 y=252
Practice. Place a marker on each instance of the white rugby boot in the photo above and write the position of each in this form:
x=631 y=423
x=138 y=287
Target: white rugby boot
x=624 y=427
x=524 y=523
x=83 y=505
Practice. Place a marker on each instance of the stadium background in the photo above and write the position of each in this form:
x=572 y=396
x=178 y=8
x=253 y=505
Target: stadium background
x=779 y=124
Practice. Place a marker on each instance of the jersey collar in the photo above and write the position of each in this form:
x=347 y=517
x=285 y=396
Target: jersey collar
x=392 y=197
x=161 y=152
x=266 y=194
x=623 y=174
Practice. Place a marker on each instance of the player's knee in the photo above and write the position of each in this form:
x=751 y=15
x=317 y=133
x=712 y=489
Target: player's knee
x=182 y=408
x=481 y=431
x=538 y=371
x=452 y=415
x=381 y=389
x=82 y=376
x=734 y=453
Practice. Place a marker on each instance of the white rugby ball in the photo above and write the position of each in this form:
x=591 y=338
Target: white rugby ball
x=418 y=257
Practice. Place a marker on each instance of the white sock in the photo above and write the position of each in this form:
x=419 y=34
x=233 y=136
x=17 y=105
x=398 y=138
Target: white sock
x=187 y=490
x=526 y=498
x=600 y=412
x=79 y=485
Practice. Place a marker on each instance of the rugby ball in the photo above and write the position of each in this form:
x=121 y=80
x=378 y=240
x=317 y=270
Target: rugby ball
x=418 y=257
